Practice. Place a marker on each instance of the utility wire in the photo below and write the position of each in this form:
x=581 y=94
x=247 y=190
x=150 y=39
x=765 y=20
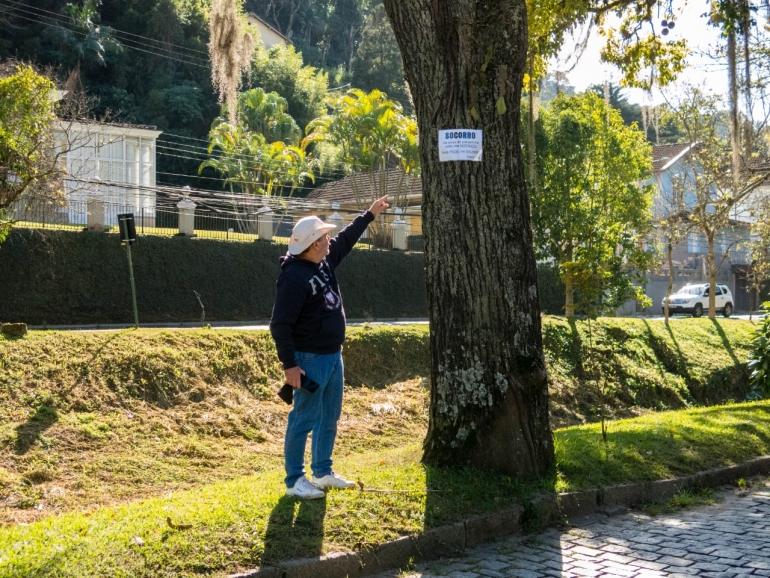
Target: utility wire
x=55 y=16
x=10 y=10
x=207 y=198
x=247 y=160
x=199 y=149
x=236 y=181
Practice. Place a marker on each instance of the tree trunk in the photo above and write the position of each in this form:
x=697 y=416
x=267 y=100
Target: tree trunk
x=735 y=131
x=569 y=295
x=670 y=257
x=531 y=144
x=464 y=62
x=712 y=277
x=748 y=133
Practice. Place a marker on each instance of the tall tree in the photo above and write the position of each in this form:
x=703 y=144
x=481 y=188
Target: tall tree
x=707 y=185
x=29 y=156
x=373 y=135
x=378 y=62
x=590 y=215
x=84 y=40
x=281 y=69
x=464 y=62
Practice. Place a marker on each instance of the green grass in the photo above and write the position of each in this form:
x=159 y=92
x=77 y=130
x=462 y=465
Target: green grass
x=662 y=445
x=683 y=500
x=247 y=521
x=105 y=435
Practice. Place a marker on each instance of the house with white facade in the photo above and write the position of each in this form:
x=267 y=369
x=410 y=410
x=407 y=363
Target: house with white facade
x=269 y=34
x=111 y=163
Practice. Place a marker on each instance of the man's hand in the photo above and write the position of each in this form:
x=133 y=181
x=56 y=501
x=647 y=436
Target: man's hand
x=379 y=205
x=293 y=376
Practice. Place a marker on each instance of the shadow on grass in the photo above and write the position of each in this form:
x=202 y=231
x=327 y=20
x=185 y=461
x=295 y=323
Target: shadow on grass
x=87 y=367
x=725 y=341
x=576 y=348
x=27 y=434
x=660 y=450
x=673 y=360
x=456 y=493
x=295 y=529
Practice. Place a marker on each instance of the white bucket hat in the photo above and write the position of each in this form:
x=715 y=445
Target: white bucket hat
x=307 y=230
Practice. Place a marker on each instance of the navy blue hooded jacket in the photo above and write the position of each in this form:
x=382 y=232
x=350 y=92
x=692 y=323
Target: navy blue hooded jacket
x=308 y=315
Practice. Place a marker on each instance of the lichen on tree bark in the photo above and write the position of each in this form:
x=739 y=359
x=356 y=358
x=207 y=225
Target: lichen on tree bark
x=464 y=61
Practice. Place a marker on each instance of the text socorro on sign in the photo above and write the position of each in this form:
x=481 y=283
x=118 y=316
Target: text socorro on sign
x=460 y=144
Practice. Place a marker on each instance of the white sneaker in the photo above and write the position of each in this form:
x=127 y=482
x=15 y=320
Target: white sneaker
x=304 y=490
x=333 y=481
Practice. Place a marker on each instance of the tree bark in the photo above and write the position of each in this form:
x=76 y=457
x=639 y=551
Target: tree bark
x=735 y=131
x=464 y=61
x=670 y=257
x=712 y=276
x=748 y=133
x=531 y=143
x=569 y=295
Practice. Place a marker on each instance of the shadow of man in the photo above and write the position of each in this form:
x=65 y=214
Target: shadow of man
x=295 y=529
x=28 y=433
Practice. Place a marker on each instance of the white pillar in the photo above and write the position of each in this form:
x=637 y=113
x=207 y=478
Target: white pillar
x=400 y=232
x=186 y=217
x=265 y=224
x=95 y=214
x=336 y=219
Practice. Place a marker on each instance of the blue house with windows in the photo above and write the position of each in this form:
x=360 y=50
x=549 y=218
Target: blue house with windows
x=670 y=174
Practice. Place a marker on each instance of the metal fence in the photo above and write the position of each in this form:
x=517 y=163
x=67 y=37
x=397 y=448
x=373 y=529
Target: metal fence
x=164 y=219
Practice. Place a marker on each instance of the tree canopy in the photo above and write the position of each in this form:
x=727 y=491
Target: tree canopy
x=589 y=214
x=28 y=160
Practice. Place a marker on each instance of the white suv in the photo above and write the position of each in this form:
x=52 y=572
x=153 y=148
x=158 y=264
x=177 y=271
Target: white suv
x=695 y=299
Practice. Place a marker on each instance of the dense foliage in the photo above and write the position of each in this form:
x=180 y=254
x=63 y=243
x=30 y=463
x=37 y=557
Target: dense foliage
x=26 y=142
x=146 y=62
x=589 y=213
x=59 y=277
x=759 y=358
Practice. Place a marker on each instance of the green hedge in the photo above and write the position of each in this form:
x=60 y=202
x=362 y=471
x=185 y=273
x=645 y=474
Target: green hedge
x=63 y=277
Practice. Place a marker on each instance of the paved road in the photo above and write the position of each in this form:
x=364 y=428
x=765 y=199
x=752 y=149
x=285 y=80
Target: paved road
x=263 y=326
x=725 y=540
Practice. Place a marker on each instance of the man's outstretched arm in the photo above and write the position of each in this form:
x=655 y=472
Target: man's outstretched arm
x=344 y=241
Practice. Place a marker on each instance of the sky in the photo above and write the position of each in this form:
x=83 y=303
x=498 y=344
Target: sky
x=689 y=25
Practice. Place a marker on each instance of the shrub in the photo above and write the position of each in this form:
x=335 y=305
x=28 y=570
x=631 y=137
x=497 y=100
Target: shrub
x=759 y=359
x=64 y=277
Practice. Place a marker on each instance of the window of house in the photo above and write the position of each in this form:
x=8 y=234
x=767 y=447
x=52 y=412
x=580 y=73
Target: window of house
x=692 y=243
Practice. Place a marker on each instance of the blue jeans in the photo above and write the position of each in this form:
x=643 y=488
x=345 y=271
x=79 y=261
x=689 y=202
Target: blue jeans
x=317 y=412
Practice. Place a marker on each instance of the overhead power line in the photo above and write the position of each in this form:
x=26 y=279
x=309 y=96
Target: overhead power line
x=191 y=61
x=200 y=149
x=205 y=198
x=35 y=10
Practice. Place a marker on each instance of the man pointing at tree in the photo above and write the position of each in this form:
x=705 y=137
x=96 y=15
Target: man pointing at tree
x=308 y=326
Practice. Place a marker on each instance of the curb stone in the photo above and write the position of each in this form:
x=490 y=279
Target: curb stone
x=546 y=510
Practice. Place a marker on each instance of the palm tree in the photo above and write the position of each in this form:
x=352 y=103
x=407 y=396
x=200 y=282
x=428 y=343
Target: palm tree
x=266 y=113
x=84 y=40
x=373 y=135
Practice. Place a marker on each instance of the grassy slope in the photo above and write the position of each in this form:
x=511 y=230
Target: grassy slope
x=123 y=429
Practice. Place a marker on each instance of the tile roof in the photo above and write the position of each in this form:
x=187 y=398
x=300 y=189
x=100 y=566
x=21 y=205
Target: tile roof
x=342 y=191
x=663 y=154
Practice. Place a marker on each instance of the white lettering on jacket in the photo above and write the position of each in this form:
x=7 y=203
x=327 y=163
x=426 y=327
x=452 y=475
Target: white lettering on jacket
x=313 y=279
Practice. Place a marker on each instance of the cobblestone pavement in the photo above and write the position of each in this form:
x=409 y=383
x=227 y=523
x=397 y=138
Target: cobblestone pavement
x=729 y=538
